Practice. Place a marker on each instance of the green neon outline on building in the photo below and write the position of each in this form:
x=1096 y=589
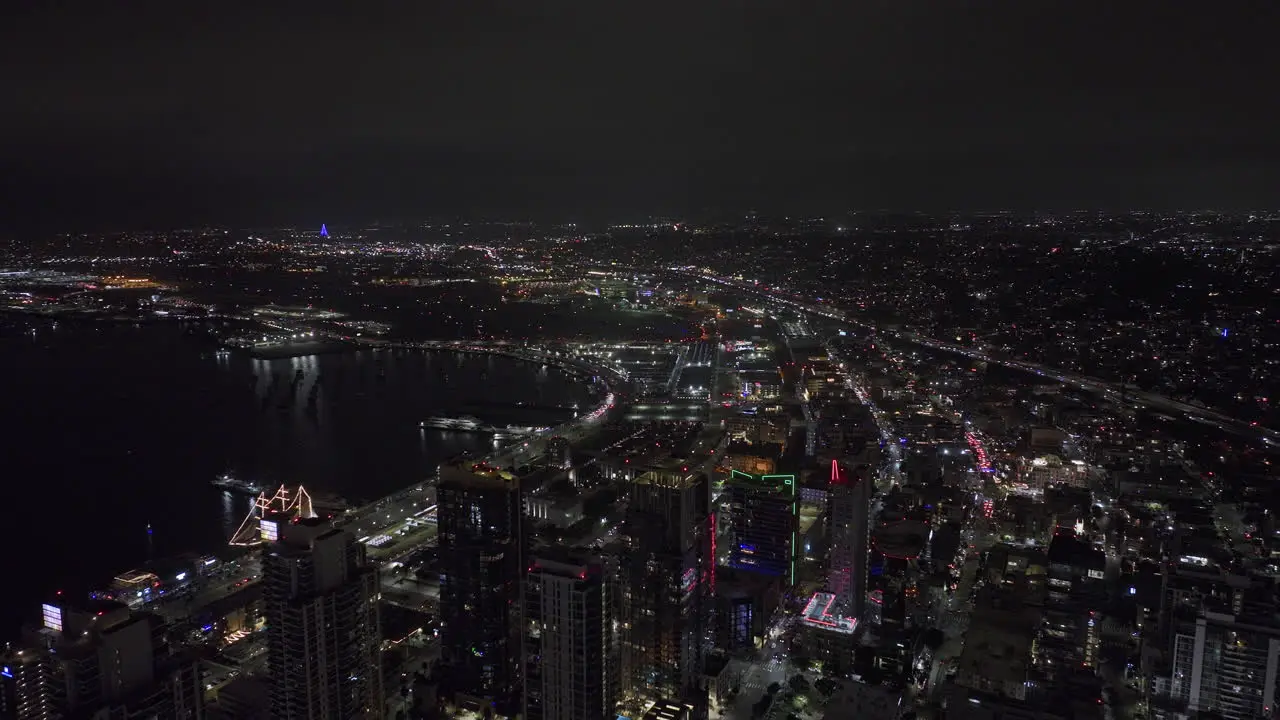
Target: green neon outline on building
x=788 y=482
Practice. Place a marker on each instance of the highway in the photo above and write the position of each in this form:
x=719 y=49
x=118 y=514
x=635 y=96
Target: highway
x=1110 y=390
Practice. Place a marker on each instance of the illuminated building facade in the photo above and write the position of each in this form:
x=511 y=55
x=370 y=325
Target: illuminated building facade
x=744 y=603
x=756 y=429
x=1069 y=635
x=320 y=598
x=830 y=634
x=481 y=551
x=1227 y=665
x=850 y=510
x=821 y=611
x=669 y=570
x=744 y=460
x=571 y=639
x=22 y=685
x=763 y=524
x=98 y=659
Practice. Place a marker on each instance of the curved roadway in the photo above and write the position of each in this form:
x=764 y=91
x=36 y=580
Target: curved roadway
x=386 y=515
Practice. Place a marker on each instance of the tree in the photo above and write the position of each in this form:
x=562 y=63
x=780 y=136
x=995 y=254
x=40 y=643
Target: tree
x=798 y=683
x=824 y=685
x=773 y=688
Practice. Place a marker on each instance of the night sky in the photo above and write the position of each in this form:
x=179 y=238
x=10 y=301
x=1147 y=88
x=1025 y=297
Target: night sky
x=140 y=114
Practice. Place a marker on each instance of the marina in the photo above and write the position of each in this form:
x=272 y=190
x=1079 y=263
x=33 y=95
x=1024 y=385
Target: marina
x=340 y=423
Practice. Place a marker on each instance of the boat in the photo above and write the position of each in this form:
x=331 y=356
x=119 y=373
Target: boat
x=231 y=484
x=466 y=423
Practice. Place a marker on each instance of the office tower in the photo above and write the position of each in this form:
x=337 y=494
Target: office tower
x=320 y=599
x=98 y=659
x=559 y=453
x=1069 y=636
x=1227 y=665
x=850 y=507
x=1189 y=585
x=571 y=642
x=763 y=524
x=744 y=603
x=22 y=692
x=481 y=561
x=669 y=571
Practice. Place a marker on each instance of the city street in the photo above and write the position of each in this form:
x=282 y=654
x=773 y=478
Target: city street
x=428 y=654
x=954 y=619
x=387 y=515
x=760 y=672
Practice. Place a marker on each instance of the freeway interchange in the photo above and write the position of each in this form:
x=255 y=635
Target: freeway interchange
x=1112 y=391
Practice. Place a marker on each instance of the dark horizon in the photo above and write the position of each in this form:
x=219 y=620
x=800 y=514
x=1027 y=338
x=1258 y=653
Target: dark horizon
x=163 y=117
x=338 y=225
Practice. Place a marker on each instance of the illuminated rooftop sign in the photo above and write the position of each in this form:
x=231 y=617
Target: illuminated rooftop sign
x=52 y=616
x=270 y=530
x=818 y=614
x=837 y=477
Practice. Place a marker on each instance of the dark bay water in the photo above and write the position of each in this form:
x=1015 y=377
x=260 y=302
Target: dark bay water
x=109 y=427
